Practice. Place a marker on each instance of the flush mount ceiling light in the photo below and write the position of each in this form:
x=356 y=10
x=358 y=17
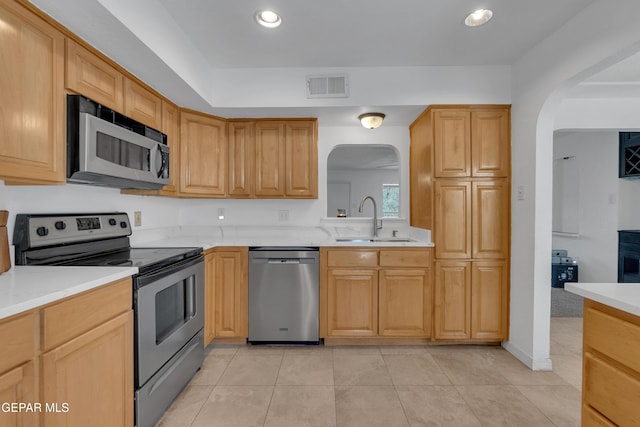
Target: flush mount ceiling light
x=479 y=17
x=269 y=19
x=371 y=120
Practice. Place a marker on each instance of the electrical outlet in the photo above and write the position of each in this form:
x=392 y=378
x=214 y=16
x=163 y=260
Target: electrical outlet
x=220 y=213
x=520 y=192
x=283 y=215
x=137 y=218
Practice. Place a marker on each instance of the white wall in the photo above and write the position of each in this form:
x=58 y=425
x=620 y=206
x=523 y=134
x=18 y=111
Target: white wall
x=365 y=183
x=596 y=246
x=585 y=45
x=162 y=211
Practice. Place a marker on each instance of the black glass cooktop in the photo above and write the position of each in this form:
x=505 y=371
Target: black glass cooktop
x=143 y=258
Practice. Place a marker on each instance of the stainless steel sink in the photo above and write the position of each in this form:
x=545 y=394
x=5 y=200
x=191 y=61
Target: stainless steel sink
x=368 y=240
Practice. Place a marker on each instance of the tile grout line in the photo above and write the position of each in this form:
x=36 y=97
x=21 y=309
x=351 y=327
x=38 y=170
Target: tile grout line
x=273 y=390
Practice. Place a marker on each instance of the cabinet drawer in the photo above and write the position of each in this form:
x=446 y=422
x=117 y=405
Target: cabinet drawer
x=611 y=391
x=17 y=336
x=591 y=417
x=352 y=258
x=613 y=337
x=68 y=319
x=405 y=258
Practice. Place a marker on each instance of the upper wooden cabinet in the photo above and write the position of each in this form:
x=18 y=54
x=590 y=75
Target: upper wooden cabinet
x=301 y=162
x=451 y=129
x=241 y=137
x=286 y=159
x=142 y=105
x=89 y=75
x=471 y=142
x=203 y=155
x=270 y=158
x=490 y=143
x=32 y=114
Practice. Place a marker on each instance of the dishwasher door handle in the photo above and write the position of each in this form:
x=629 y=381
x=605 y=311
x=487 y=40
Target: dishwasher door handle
x=283 y=261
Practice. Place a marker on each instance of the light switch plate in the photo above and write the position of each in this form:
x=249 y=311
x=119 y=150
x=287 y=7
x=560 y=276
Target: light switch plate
x=137 y=218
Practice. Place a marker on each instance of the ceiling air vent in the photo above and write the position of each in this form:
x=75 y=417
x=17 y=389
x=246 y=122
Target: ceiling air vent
x=328 y=86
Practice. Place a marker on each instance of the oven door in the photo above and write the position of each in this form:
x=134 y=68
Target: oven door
x=169 y=310
x=111 y=150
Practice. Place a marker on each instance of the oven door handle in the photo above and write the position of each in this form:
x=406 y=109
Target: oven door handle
x=145 y=279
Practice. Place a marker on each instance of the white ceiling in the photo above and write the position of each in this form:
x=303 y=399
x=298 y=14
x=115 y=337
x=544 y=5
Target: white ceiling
x=365 y=33
x=325 y=34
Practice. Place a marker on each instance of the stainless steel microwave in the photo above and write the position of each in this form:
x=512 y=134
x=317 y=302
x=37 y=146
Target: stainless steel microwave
x=108 y=149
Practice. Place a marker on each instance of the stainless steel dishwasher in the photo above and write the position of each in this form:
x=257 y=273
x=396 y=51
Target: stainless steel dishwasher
x=284 y=295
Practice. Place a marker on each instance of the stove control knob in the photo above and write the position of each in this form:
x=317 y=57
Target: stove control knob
x=112 y=222
x=123 y=224
x=60 y=225
x=42 y=231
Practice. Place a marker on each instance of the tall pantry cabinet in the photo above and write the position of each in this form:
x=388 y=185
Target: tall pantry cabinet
x=460 y=189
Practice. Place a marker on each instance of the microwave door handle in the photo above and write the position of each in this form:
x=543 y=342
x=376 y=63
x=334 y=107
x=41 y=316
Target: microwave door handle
x=161 y=164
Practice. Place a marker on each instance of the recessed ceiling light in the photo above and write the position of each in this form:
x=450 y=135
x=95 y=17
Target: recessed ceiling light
x=269 y=19
x=479 y=17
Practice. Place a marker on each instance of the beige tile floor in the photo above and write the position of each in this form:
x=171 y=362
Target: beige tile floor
x=383 y=386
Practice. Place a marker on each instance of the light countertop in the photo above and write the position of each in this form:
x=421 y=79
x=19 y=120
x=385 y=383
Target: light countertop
x=26 y=287
x=23 y=288
x=209 y=237
x=623 y=296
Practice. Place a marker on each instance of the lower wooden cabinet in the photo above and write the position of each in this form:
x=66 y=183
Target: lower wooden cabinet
x=611 y=367
x=90 y=378
x=352 y=308
x=471 y=300
x=18 y=361
x=368 y=292
x=226 y=293
x=73 y=358
x=18 y=386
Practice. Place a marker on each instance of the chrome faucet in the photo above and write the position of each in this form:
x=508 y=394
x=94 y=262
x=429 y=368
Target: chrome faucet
x=375 y=214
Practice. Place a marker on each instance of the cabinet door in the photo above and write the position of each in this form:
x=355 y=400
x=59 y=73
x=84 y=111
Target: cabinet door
x=452 y=143
x=209 y=298
x=93 y=374
x=89 y=75
x=32 y=112
x=452 y=320
x=405 y=303
x=352 y=303
x=270 y=158
x=171 y=127
x=490 y=219
x=203 y=155
x=489 y=300
x=231 y=297
x=490 y=143
x=142 y=105
x=241 y=158
x=301 y=163
x=452 y=230
x=17 y=386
